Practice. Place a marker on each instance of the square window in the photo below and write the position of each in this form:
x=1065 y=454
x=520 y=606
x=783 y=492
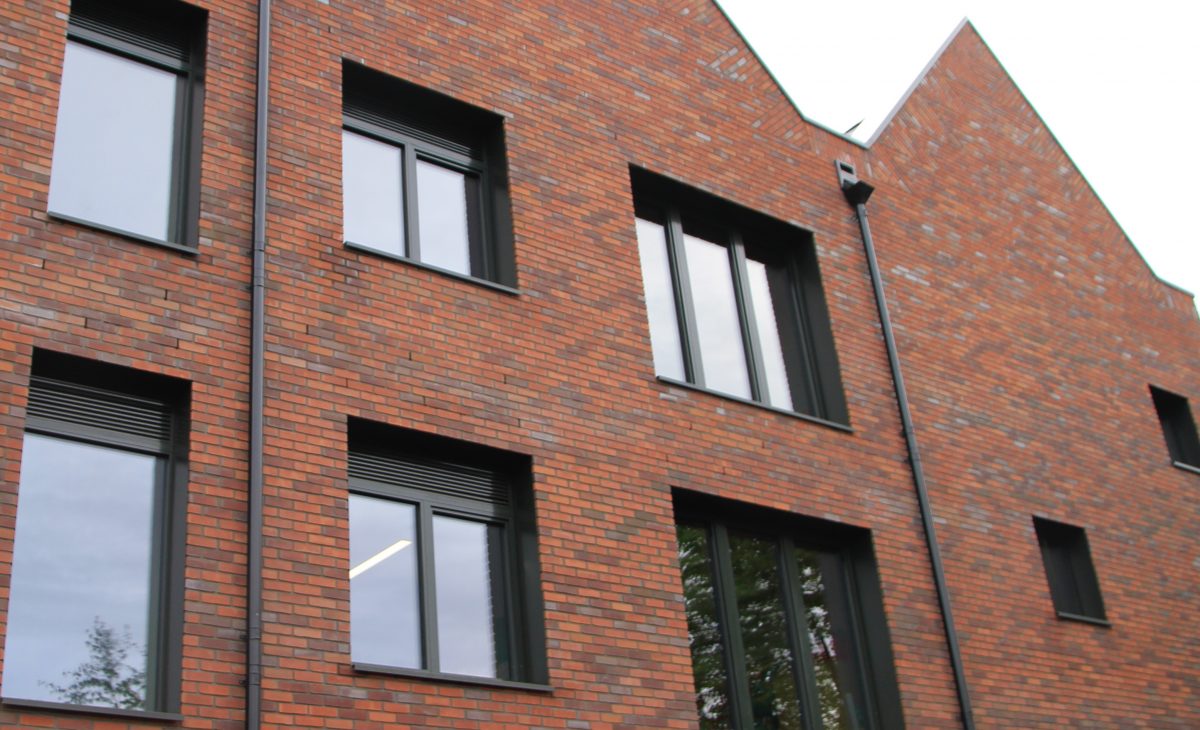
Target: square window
x=734 y=301
x=93 y=613
x=785 y=620
x=423 y=178
x=126 y=143
x=443 y=569
x=1073 y=584
x=1179 y=428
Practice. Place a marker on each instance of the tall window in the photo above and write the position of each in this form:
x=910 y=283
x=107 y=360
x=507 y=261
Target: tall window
x=1178 y=427
x=423 y=178
x=126 y=143
x=1069 y=571
x=443 y=574
x=734 y=301
x=89 y=614
x=785 y=623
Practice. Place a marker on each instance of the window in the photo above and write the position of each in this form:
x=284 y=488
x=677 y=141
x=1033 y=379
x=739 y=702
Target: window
x=785 y=621
x=423 y=178
x=734 y=301
x=1073 y=584
x=127 y=144
x=443 y=559
x=93 y=613
x=1178 y=427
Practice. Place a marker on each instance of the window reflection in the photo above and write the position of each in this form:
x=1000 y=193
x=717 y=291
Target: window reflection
x=384 y=596
x=660 y=300
x=774 y=696
x=718 y=327
x=448 y=214
x=114 y=142
x=79 y=626
x=704 y=631
x=372 y=194
x=778 y=391
x=466 y=610
x=831 y=638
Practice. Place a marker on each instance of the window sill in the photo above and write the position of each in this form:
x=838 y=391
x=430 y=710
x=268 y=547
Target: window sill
x=40 y=706
x=1084 y=619
x=782 y=411
x=429 y=267
x=451 y=678
x=1186 y=466
x=139 y=238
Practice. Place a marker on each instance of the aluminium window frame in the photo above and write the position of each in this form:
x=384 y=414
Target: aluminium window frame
x=184 y=213
x=1178 y=428
x=447 y=132
x=805 y=333
x=517 y=582
x=416 y=147
x=860 y=592
x=1070 y=572
x=119 y=386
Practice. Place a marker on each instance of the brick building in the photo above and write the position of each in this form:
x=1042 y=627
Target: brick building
x=523 y=366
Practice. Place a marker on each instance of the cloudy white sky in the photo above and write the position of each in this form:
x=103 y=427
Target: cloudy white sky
x=1117 y=82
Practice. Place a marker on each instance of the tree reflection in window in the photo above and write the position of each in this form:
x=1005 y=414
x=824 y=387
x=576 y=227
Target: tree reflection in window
x=775 y=632
x=708 y=653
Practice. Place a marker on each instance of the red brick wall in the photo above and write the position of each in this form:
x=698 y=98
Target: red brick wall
x=67 y=288
x=562 y=371
x=1030 y=329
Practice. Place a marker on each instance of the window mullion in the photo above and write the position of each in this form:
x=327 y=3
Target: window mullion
x=741 y=291
x=408 y=202
x=428 y=586
x=797 y=627
x=731 y=632
x=689 y=337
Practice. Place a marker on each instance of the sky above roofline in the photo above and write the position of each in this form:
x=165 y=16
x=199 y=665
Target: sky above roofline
x=1117 y=85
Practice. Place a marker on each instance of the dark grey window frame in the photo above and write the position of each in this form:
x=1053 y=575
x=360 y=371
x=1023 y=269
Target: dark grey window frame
x=1070 y=573
x=434 y=128
x=76 y=399
x=169 y=36
x=862 y=595
x=378 y=457
x=809 y=352
x=1178 y=427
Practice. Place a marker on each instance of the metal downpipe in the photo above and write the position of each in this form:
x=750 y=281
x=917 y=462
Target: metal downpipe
x=254 y=512
x=857 y=192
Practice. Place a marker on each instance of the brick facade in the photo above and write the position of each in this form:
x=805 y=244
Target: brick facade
x=1028 y=327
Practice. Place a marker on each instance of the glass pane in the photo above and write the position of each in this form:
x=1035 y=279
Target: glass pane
x=660 y=300
x=770 y=668
x=385 y=613
x=113 y=147
x=372 y=193
x=448 y=203
x=704 y=631
x=832 y=638
x=466 y=609
x=721 y=349
x=778 y=393
x=79 y=613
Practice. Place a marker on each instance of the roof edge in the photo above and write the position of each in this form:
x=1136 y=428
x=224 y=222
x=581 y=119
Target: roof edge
x=779 y=87
x=965 y=23
x=937 y=56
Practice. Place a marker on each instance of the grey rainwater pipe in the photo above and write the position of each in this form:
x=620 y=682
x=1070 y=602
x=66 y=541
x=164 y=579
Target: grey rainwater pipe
x=254 y=509
x=857 y=192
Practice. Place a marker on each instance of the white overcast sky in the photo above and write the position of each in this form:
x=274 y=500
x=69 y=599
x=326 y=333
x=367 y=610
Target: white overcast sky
x=1117 y=81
